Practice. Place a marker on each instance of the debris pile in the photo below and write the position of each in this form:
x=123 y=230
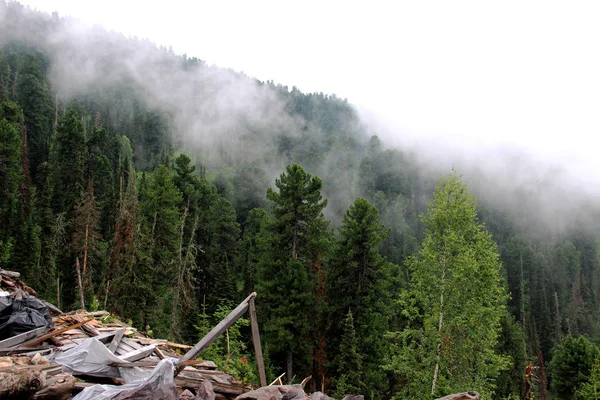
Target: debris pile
x=48 y=354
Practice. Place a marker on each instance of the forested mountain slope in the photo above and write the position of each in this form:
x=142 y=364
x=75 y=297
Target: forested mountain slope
x=180 y=187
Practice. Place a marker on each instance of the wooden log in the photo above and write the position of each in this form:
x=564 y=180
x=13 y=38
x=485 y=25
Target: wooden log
x=97 y=313
x=216 y=331
x=154 y=363
x=116 y=340
x=159 y=353
x=184 y=381
x=87 y=327
x=58 y=387
x=134 y=344
x=53 y=309
x=55 y=333
x=10 y=274
x=262 y=376
x=139 y=354
x=21 y=338
x=277 y=379
x=21 y=381
x=178 y=346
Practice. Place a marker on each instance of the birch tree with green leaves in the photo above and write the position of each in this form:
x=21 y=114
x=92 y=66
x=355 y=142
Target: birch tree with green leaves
x=453 y=305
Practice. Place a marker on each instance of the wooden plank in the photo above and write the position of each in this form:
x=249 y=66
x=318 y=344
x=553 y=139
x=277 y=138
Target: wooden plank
x=216 y=331
x=116 y=340
x=124 y=348
x=21 y=338
x=229 y=389
x=55 y=333
x=97 y=313
x=151 y=363
x=262 y=376
x=134 y=344
x=87 y=327
x=138 y=354
x=159 y=353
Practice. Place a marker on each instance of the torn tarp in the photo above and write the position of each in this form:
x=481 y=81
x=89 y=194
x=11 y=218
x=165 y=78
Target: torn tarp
x=159 y=385
x=22 y=315
x=93 y=358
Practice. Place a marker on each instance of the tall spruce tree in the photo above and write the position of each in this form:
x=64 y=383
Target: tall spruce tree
x=360 y=281
x=286 y=281
x=160 y=210
x=454 y=303
x=351 y=375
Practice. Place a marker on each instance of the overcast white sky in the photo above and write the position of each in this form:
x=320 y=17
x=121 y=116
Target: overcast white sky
x=472 y=73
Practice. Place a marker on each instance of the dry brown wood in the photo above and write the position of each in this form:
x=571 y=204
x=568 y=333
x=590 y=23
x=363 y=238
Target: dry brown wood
x=55 y=333
x=159 y=353
x=87 y=327
x=277 y=379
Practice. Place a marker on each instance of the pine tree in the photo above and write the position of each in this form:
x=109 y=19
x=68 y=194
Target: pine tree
x=253 y=245
x=296 y=236
x=360 y=280
x=571 y=366
x=349 y=363
x=454 y=303
x=34 y=96
x=161 y=202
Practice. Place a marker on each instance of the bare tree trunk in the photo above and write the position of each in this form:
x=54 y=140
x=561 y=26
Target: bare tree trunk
x=58 y=292
x=85 y=249
x=290 y=362
x=179 y=282
x=79 y=283
x=106 y=293
x=440 y=325
x=439 y=347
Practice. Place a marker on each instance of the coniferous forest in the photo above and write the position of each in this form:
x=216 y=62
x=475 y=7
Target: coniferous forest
x=180 y=188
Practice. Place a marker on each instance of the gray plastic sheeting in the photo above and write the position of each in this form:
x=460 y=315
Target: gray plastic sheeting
x=93 y=358
x=159 y=385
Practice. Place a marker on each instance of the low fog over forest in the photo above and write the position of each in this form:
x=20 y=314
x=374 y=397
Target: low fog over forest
x=188 y=186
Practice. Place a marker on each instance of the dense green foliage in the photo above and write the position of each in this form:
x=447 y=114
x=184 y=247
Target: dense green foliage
x=454 y=302
x=288 y=194
x=571 y=366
